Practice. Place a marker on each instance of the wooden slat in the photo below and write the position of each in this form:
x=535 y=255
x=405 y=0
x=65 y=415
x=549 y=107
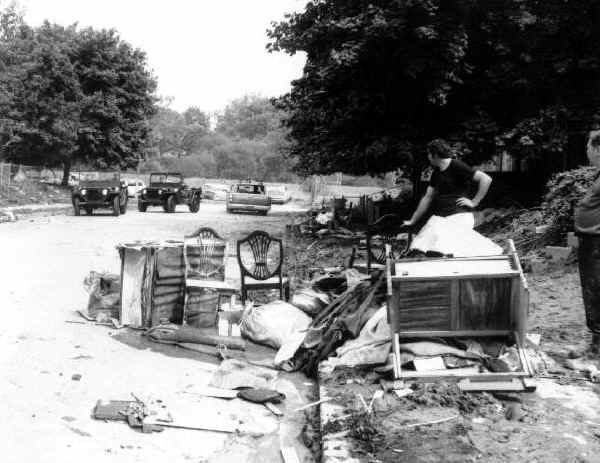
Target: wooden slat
x=454 y=304
x=514 y=384
x=454 y=333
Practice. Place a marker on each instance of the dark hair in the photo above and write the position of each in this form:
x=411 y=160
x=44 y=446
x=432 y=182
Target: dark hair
x=439 y=148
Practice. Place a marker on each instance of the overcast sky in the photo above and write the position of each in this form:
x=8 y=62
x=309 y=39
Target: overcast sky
x=203 y=52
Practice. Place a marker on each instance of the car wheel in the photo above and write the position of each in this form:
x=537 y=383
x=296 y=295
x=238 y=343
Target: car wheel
x=89 y=210
x=115 y=206
x=195 y=205
x=142 y=206
x=76 y=207
x=171 y=204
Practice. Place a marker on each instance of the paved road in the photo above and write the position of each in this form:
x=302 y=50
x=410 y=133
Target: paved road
x=46 y=414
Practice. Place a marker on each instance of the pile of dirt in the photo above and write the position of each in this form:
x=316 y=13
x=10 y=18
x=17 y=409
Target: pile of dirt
x=27 y=192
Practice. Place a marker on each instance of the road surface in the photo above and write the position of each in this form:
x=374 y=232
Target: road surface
x=46 y=414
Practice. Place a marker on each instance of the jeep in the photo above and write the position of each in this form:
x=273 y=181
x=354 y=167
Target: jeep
x=99 y=190
x=168 y=190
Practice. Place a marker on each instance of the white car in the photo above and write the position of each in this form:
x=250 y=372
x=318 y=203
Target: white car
x=134 y=187
x=279 y=194
x=215 y=191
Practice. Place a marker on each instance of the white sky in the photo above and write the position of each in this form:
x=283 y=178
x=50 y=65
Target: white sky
x=203 y=52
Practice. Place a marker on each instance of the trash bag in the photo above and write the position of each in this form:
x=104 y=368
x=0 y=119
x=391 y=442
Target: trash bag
x=105 y=295
x=273 y=323
x=310 y=301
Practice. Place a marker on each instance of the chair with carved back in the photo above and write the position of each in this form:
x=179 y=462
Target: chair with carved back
x=260 y=257
x=204 y=259
x=384 y=231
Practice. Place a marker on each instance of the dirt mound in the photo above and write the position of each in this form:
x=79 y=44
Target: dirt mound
x=27 y=192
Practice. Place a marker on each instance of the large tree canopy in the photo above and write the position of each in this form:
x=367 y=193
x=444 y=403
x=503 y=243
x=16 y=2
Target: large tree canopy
x=383 y=77
x=70 y=95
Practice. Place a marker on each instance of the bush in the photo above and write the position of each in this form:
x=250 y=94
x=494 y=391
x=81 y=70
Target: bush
x=563 y=193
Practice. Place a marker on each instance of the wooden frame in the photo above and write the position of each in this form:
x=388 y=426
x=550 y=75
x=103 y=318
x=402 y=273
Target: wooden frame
x=205 y=244
x=440 y=305
x=260 y=242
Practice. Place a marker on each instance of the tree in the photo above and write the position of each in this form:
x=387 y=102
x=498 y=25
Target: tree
x=384 y=77
x=251 y=117
x=72 y=95
x=180 y=134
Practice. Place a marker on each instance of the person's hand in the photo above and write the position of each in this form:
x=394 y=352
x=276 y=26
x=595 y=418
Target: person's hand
x=408 y=223
x=466 y=202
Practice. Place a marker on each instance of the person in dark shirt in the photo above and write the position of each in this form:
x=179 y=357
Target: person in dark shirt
x=587 y=228
x=448 y=190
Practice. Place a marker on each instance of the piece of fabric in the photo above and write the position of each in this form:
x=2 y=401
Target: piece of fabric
x=587 y=214
x=589 y=272
x=371 y=347
x=454 y=235
x=450 y=184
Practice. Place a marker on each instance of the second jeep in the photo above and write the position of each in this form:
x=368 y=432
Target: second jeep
x=167 y=189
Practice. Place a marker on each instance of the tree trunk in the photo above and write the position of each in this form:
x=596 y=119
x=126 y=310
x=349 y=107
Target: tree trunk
x=66 y=173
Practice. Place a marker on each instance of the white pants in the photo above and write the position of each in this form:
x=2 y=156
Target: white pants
x=454 y=235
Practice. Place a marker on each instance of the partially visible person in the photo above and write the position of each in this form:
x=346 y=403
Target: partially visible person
x=587 y=228
x=447 y=196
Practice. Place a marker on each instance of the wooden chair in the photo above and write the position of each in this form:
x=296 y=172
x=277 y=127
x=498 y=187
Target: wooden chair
x=260 y=257
x=382 y=232
x=204 y=259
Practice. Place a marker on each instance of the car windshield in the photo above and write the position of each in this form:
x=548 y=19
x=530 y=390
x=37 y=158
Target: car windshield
x=165 y=178
x=251 y=189
x=91 y=178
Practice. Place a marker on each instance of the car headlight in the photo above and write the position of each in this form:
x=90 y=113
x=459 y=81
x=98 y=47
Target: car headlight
x=159 y=191
x=84 y=191
x=115 y=188
x=105 y=191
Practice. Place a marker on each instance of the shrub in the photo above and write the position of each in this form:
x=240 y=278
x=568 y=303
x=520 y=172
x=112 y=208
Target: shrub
x=563 y=193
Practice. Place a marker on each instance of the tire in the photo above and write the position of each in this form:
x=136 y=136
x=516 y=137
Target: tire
x=89 y=210
x=171 y=204
x=76 y=207
x=115 y=206
x=195 y=205
x=142 y=206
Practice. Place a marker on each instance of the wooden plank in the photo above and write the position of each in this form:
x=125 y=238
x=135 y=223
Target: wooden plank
x=515 y=384
x=455 y=277
x=289 y=455
x=454 y=333
x=454 y=304
x=469 y=372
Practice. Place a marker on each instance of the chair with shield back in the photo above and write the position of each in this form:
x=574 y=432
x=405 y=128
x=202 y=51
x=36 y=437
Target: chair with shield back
x=387 y=230
x=204 y=259
x=260 y=257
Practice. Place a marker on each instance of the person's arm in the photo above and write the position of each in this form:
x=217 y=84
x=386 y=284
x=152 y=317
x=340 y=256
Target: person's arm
x=422 y=207
x=483 y=185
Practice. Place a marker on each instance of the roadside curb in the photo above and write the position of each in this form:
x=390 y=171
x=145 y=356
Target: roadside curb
x=14 y=213
x=335 y=446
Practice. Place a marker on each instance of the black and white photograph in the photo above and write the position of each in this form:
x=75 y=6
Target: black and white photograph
x=300 y=231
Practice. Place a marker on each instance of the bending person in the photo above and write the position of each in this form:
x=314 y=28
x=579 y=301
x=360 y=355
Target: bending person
x=447 y=198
